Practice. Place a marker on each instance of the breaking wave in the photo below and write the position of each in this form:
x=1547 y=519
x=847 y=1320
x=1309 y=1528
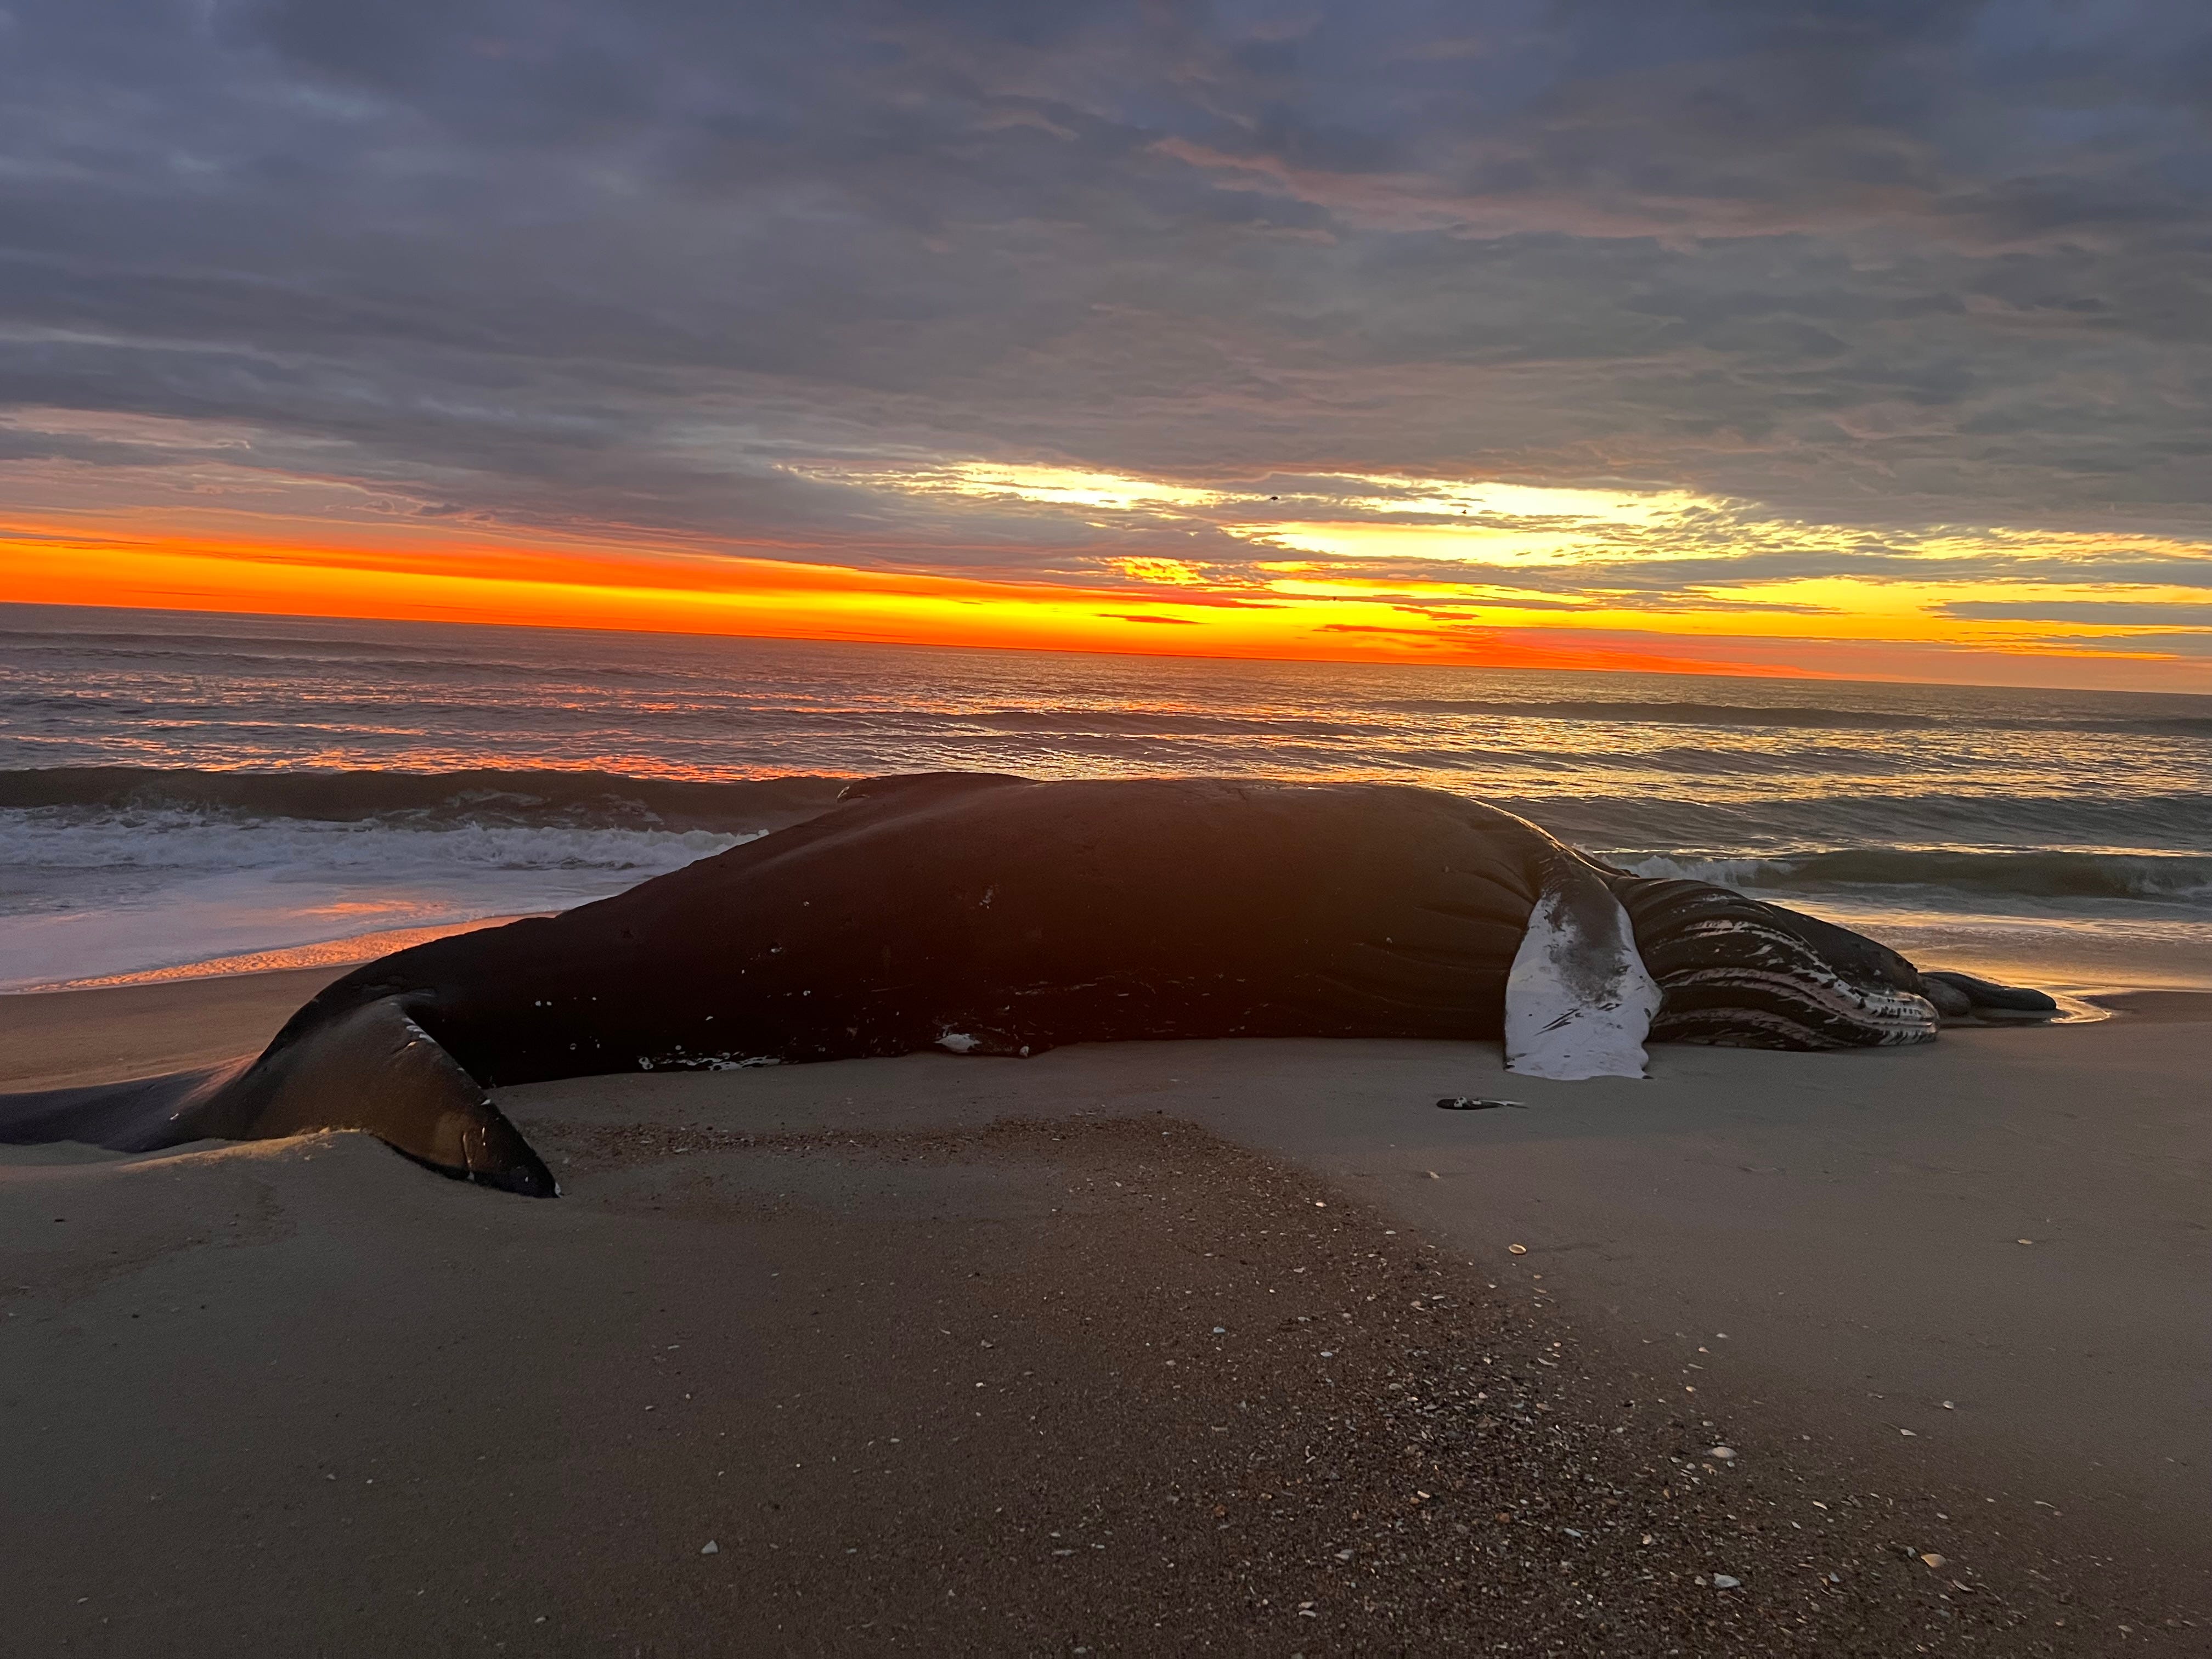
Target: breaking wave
x=2002 y=877
x=359 y=824
x=1671 y=714
x=1795 y=716
x=482 y=798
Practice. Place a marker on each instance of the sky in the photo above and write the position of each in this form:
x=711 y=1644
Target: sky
x=1860 y=337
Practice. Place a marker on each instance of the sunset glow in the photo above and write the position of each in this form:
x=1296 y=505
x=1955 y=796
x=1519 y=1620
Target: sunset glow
x=1311 y=334
x=1416 y=570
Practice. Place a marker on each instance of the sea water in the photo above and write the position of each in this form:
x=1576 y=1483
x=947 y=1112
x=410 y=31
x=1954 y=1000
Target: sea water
x=180 y=790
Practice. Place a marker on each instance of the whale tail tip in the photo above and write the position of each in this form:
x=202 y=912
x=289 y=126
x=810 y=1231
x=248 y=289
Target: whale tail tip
x=372 y=1069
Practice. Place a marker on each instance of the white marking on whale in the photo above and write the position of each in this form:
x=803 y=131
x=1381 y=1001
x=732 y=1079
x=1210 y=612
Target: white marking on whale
x=1578 y=1000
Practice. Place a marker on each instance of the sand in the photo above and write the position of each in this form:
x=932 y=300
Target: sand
x=927 y=1349
x=52 y=1040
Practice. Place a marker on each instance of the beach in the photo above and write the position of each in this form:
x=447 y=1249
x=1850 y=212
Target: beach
x=927 y=1348
x=1147 y=1347
x=1288 y=830
x=178 y=792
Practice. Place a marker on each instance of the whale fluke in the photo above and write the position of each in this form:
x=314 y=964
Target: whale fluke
x=372 y=1069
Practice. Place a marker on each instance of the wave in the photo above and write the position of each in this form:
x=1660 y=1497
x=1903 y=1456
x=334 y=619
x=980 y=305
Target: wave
x=1801 y=716
x=2151 y=876
x=43 y=640
x=177 y=842
x=483 y=796
x=2169 y=726
x=584 y=798
x=1137 y=722
x=120 y=817
x=1672 y=714
x=1993 y=819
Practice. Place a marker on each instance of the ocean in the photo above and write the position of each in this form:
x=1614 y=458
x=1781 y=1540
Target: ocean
x=184 y=793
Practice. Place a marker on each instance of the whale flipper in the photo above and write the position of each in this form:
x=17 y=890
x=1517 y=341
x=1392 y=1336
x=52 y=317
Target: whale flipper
x=140 y=1115
x=1578 y=1000
x=372 y=1069
x=1965 y=996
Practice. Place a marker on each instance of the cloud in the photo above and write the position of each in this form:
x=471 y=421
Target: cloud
x=899 y=287
x=2110 y=613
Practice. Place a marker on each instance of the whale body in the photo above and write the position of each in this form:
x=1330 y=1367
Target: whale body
x=977 y=914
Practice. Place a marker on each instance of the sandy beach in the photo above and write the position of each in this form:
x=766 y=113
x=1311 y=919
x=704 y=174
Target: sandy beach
x=940 y=830
x=1221 y=1346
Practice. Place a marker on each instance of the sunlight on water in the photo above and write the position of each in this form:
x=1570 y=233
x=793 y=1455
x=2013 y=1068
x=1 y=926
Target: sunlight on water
x=2070 y=826
x=325 y=953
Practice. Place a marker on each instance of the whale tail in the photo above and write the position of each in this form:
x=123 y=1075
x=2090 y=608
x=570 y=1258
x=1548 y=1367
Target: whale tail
x=372 y=1069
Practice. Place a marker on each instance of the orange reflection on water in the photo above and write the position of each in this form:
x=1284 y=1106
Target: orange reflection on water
x=329 y=953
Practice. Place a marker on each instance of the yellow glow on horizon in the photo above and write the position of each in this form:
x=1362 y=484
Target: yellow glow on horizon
x=1444 y=497
x=1165 y=573
x=756 y=596
x=1559 y=507
x=236 y=540
x=1471 y=544
x=1352 y=588
x=1054 y=486
x=2059 y=545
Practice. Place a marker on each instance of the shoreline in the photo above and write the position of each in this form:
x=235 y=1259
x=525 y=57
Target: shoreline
x=2058 y=954
x=60 y=1037
x=349 y=950
x=761 y=1314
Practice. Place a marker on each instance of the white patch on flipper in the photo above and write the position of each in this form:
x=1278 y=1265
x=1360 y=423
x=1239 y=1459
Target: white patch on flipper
x=1578 y=1001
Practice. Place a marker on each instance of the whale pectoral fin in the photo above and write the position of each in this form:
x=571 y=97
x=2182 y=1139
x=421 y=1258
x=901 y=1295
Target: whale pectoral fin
x=374 y=1069
x=1578 y=1000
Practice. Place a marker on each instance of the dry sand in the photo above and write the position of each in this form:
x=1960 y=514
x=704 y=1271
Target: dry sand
x=927 y=1348
x=52 y=1040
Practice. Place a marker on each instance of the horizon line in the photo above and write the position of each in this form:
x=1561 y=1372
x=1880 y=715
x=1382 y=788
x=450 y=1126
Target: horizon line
x=1709 y=671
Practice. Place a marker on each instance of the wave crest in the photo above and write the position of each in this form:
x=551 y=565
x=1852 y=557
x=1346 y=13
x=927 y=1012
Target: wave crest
x=580 y=799
x=2157 y=878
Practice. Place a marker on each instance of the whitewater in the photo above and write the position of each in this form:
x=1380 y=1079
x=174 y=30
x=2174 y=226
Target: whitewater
x=184 y=793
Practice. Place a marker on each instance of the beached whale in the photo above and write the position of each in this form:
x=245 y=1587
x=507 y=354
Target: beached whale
x=985 y=914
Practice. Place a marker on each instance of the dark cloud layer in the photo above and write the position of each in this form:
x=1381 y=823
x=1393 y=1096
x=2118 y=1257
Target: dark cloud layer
x=1891 y=264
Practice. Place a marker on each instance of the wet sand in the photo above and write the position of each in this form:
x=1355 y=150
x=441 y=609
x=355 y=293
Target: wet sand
x=927 y=1348
x=50 y=1039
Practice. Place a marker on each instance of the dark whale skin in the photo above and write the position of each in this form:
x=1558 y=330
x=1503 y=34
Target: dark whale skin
x=998 y=915
x=991 y=915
